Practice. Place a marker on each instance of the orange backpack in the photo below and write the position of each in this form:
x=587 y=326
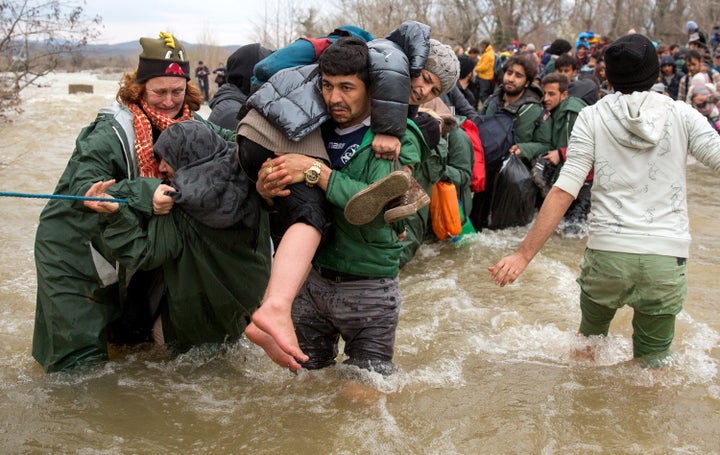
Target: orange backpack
x=444 y=210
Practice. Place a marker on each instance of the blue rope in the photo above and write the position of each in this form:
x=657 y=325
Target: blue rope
x=63 y=196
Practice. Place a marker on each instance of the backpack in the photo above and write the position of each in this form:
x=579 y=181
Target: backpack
x=498 y=69
x=496 y=135
x=477 y=182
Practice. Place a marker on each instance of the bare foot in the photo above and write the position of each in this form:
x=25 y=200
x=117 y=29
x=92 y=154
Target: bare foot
x=357 y=392
x=583 y=350
x=271 y=348
x=278 y=325
x=585 y=353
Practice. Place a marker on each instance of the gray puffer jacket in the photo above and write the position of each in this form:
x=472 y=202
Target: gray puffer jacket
x=292 y=99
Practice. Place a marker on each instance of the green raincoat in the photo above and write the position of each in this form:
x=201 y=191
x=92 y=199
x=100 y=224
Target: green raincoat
x=80 y=287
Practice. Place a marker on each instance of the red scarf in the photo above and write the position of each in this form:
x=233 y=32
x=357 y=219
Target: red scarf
x=143 y=116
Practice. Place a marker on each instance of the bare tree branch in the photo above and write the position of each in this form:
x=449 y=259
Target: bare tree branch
x=34 y=34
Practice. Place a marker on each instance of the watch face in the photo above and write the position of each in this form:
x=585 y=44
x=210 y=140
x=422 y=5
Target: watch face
x=312 y=175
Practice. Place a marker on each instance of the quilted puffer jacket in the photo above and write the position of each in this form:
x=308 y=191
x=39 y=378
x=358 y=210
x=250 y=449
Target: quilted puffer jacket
x=292 y=99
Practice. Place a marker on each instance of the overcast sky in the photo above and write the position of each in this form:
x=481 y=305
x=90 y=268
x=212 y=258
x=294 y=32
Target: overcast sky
x=225 y=22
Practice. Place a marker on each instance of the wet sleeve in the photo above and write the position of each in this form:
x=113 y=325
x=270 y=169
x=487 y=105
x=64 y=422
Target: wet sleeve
x=139 y=243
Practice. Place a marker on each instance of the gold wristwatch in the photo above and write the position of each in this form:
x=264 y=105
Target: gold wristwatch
x=312 y=174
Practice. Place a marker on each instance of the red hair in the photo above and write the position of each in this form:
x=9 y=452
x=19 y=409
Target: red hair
x=131 y=92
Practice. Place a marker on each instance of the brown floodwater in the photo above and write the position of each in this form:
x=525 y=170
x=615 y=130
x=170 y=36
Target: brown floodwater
x=482 y=369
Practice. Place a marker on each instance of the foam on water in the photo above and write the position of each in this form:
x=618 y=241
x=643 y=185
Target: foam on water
x=535 y=319
x=482 y=369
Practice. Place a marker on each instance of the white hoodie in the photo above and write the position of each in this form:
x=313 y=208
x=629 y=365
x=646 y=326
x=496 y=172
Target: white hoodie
x=637 y=145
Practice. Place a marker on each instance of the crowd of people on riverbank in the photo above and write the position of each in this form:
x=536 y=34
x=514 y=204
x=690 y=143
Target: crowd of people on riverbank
x=288 y=214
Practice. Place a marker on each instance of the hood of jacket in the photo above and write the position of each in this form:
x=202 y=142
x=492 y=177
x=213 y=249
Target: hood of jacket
x=488 y=50
x=241 y=63
x=532 y=94
x=668 y=60
x=208 y=181
x=585 y=89
x=636 y=120
x=227 y=92
x=571 y=104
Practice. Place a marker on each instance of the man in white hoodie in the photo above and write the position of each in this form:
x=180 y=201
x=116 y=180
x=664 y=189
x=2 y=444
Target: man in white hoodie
x=637 y=141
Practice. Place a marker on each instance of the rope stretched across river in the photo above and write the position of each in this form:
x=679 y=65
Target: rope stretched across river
x=62 y=196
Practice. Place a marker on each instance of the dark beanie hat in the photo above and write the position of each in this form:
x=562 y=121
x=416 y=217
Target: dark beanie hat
x=467 y=65
x=164 y=56
x=241 y=63
x=559 y=47
x=631 y=64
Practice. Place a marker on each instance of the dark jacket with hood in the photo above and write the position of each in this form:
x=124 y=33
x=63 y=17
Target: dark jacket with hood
x=526 y=111
x=671 y=83
x=231 y=96
x=213 y=247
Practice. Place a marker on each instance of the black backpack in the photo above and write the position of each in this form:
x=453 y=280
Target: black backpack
x=496 y=135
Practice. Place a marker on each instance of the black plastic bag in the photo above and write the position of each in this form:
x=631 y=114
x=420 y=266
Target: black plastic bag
x=514 y=195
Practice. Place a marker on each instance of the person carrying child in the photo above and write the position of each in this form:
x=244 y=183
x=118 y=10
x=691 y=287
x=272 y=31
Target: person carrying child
x=305 y=212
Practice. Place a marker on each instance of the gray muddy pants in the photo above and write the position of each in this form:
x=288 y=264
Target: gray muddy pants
x=364 y=312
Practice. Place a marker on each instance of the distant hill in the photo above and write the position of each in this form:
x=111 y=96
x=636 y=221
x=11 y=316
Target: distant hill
x=123 y=56
x=130 y=47
x=133 y=48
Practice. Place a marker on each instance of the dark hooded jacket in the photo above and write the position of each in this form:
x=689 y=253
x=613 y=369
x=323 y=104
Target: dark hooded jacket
x=231 y=96
x=213 y=248
x=671 y=83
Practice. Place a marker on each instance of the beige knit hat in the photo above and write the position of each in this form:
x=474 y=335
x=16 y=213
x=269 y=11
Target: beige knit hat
x=256 y=128
x=443 y=62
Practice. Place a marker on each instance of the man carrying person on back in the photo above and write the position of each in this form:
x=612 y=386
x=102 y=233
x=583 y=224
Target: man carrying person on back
x=352 y=290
